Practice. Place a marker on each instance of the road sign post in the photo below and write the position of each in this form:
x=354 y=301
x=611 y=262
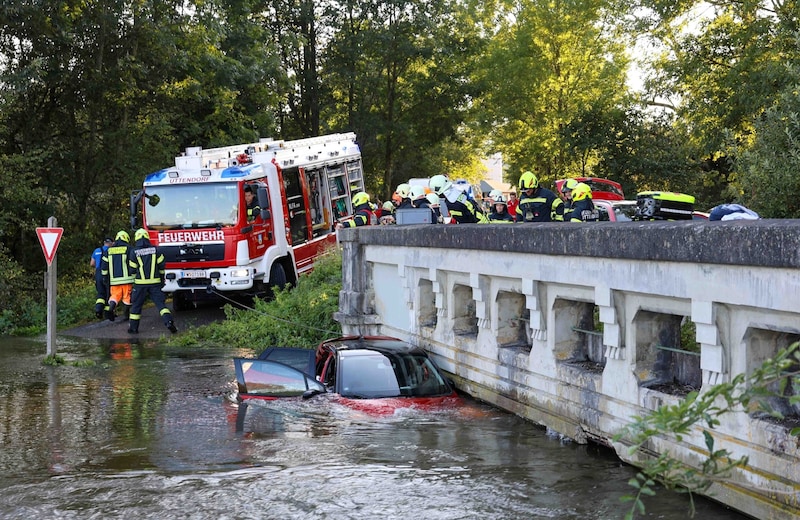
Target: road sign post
x=49 y=238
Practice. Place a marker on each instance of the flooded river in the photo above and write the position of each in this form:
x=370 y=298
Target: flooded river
x=147 y=432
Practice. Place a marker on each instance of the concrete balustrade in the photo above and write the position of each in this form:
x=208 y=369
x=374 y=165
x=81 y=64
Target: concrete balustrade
x=578 y=326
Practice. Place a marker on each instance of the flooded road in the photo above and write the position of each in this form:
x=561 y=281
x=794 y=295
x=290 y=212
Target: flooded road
x=147 y=432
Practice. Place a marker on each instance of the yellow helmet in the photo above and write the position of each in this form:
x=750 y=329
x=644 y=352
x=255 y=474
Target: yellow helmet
x=124 y=236
x=360 y=198
x=581 y=191
x=528 y=181
x=141 y=233
x=569 y=185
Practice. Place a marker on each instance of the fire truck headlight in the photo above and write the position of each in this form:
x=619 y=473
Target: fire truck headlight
x=240 y=273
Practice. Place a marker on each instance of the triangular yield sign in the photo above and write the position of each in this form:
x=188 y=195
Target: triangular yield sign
x=49 y=239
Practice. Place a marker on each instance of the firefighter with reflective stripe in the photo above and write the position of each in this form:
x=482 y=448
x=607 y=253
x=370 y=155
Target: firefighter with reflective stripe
x=537 y=204
x=148 y=266
x=101 y=298
x=499 y=213
x=566 y=190
x=117 y=275
x=583 y=209
x=460 y=207
x=362 y=212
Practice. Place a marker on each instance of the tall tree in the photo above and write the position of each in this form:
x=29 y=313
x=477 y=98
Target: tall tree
x=549 y=61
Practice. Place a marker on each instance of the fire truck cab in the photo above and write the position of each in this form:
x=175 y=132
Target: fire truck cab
x=197 y=214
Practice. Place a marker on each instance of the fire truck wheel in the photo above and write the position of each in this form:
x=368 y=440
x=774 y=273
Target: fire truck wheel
x=277 y=275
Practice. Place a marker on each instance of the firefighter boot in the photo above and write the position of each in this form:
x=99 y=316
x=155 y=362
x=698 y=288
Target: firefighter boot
x=98 y=309
x=127 y=314
x=110 y=314
x=133 y=327
x=171 y=326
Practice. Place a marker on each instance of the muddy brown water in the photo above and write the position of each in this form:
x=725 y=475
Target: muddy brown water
x=148 y=432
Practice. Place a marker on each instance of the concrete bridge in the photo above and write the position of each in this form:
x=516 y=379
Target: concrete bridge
x=579 y=327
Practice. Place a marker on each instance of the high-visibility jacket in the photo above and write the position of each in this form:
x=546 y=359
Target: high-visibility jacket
x=364 y=216
x=541 y=206
x=463 y=209
x=115 y=264
x=146 y=263
x=582 y=211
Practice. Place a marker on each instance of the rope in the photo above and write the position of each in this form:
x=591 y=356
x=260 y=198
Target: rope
x=276 y=318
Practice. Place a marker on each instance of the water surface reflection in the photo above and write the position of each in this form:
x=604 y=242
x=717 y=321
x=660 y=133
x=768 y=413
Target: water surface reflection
x=148 y=431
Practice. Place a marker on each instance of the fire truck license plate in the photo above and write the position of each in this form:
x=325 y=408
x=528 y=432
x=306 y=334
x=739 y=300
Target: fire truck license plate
x=194 y=274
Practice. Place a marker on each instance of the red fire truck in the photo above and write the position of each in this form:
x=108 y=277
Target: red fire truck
x=196 y=212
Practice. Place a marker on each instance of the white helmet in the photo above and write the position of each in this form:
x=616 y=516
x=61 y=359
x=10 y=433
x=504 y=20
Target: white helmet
x=498 y=198
x=433 y=199
x=439 y=184
x=417 y=192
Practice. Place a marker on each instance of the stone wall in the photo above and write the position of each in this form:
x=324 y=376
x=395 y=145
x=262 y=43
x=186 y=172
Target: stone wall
x=578 y=326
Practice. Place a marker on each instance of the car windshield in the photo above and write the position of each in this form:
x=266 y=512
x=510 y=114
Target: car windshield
x=372 y=374
x=192 y=206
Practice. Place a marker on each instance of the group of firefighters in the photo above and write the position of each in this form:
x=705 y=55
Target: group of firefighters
x=449 y=203
x=127 y=274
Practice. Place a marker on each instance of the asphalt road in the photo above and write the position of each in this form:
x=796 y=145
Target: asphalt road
x=150 y=326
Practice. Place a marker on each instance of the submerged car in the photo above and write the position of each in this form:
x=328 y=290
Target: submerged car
x=373 y=373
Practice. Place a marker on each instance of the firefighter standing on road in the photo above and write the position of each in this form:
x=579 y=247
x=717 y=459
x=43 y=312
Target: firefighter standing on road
x=537 y=204
x=101 y=300
x=362 y=212
x=116 y=275
x=148 y=267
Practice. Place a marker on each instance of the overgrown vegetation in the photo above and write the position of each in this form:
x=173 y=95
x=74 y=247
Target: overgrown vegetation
x=702 y=412
x=26 y=315
x=300 y=316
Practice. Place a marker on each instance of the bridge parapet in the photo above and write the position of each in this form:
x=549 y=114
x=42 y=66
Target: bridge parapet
x=579 y=327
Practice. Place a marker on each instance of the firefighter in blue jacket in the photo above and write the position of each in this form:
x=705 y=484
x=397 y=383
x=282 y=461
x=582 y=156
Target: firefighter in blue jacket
x=362 y=212
x=537 y=204
x=101 y=299
x=147 y=264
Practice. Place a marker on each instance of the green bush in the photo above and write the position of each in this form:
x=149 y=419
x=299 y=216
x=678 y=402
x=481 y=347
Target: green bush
x=301 y=316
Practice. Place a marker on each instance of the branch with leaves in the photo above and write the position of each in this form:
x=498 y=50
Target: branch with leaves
x=703 y=410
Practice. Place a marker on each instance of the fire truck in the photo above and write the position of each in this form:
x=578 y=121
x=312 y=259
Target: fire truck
x=197 y=214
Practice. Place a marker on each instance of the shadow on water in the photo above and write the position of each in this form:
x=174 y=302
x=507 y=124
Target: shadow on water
x=150 y=431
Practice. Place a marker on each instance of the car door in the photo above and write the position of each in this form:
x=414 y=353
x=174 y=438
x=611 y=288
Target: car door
x=266 y=379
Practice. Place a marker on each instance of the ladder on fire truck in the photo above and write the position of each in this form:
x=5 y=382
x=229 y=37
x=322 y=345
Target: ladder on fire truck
x=286 y=152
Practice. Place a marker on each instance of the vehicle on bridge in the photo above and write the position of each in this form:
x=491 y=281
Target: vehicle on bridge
x=602 y=189
x=373 y=374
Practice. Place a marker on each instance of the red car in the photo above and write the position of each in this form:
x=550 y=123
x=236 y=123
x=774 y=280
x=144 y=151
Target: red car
x=374 y=374
x=602 y=189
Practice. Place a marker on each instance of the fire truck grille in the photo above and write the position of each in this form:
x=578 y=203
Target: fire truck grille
x=193 y=253
x=194 y=282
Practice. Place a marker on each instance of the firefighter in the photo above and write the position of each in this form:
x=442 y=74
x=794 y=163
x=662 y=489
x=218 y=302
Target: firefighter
x=402 y=196
x=460 y=207
x=362 y=212
x=499 y=214
x=101 y=299
x=419 y=199
x=147 y=264
x=387 y=214
x=566 y=192
x=117 y=276
x=537 y=204
x=253 y=209
x=583 y=209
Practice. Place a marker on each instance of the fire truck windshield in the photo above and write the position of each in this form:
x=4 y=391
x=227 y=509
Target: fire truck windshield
x=192 y=206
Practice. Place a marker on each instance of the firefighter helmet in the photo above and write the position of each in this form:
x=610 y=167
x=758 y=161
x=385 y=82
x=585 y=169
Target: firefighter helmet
x=416 y=192
x=433 y=199
x=498 y=198
x=124 y=236
x=581 y=191
x=360 y=198
x=569 y=185
x=402 y=190
x=141 y=233
x=528 y=181
x=439 y=184
x=388 y=207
